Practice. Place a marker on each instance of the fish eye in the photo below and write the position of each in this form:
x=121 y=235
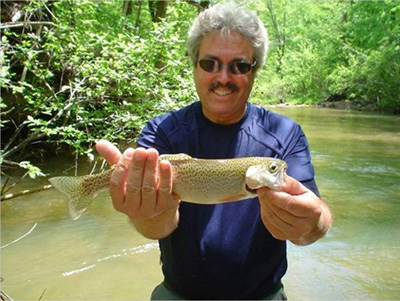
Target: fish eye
x=273 y=167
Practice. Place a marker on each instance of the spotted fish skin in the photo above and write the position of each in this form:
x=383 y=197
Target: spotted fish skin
x=199 y=181
x=210 y=181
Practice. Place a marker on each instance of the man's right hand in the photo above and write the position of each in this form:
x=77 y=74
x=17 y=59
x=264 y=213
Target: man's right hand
x=142 y=189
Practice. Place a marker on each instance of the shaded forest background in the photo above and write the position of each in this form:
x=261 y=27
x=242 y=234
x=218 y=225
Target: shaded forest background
x=75 y=71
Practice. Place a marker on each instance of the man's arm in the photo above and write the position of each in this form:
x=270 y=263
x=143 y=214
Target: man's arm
x=142 y=189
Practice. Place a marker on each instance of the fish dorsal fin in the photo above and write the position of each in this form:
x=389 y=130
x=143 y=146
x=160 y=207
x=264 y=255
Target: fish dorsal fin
x=176 y=157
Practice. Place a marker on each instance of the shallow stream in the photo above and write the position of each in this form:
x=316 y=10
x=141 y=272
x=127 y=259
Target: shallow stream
x=100 y=256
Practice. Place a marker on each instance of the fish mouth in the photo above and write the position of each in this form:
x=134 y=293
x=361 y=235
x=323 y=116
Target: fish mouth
x=281 y=177
x=252 y=191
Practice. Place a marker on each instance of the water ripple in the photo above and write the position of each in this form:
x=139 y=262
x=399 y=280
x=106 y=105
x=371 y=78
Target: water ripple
x=125 y=252
x=373 y=169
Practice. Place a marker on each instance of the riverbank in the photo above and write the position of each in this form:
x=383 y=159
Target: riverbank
x=340 y=105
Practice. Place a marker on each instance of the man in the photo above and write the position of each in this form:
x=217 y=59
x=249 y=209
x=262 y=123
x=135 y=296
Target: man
x=227 y=251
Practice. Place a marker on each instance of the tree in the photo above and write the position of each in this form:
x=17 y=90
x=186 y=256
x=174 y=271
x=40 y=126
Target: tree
x=332 y=50
x=97 y=78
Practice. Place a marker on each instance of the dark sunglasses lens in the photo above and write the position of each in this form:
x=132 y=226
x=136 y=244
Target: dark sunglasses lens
x=207 y=65
x=237 y=68
x=240 y=68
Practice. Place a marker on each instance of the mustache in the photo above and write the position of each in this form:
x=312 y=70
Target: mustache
x=230 y=86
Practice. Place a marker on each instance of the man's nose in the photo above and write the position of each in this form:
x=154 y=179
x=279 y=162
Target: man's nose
x=224 y=75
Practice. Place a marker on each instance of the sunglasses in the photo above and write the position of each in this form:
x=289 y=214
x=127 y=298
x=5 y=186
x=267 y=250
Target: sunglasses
x=236 y=68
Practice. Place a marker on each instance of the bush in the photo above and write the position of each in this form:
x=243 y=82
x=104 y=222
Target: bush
x=91 y=75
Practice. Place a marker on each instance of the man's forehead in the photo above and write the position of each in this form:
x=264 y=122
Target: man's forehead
x=216 y=45
x=217 y=58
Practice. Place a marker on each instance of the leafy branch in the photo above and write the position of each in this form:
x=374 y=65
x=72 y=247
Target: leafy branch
x=37 y=136
x=23 y=24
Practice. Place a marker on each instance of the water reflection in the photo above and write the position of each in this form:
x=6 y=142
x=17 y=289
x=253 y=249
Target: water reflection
x=357 y=161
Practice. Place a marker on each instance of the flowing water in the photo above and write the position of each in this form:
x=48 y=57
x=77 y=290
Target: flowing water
x=100 y=256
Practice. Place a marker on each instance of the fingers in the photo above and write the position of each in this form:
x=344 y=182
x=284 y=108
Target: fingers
x=118 y=180
x=136 y=188
x=149 y=186
x=298 y=204
x=268 y=217
x=293 y=187
x=109 y=151
x=283 y=225
x=292 y=216
x=141 y=185
x=165 y=187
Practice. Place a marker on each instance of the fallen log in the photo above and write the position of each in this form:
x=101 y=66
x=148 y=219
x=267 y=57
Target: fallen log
x=24 y=192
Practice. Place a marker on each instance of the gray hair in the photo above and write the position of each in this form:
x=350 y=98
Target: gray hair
x=227 y=18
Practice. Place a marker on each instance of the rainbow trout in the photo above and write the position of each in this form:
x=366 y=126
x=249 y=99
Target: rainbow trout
x=199 y=181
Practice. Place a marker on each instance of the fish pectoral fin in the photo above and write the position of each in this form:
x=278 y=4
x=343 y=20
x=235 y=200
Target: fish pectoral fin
x=232 y=198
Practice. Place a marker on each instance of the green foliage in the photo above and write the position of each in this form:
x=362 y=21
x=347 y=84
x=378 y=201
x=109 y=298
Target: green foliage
x=333 y=49
x=33 y=171
x=370 y=70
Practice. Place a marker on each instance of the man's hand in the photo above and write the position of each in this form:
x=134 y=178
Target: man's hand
x=142 y=189
x=295 y=213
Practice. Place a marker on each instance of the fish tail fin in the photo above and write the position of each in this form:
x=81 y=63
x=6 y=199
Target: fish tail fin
x=78 y=197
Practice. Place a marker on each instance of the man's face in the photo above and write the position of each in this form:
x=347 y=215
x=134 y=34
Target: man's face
x=224 y=95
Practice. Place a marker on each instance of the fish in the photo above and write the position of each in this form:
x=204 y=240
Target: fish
x=198 y=181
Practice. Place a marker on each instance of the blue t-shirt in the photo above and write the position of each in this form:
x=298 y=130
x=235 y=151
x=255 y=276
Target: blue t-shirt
x=224 y=251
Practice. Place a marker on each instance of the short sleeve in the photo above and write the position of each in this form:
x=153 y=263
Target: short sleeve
x=152 y=136
x=298 y=157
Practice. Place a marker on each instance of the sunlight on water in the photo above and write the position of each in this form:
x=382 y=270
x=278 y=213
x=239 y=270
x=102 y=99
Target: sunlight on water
x=100 y=256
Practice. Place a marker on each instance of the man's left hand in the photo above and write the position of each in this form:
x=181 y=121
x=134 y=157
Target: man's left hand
x=295 y=213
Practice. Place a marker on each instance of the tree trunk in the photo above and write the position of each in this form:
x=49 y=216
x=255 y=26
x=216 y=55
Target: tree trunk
x=158 y=10
x=138 y=16
x=127 y=7
x=279 y=35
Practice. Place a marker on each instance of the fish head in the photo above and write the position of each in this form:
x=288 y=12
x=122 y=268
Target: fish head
x=269 y=173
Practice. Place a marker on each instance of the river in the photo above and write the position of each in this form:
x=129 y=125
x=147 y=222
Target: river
x=100 y=256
